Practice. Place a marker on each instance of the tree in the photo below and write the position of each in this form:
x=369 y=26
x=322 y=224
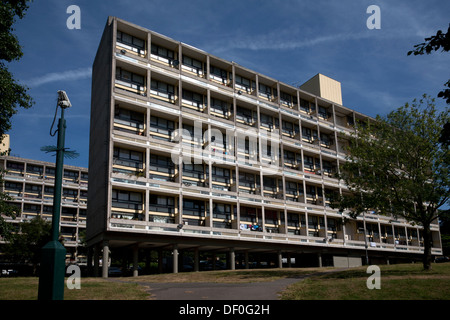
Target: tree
x=397 y=166
x=434 y=43
x=25 y=246
x=12 y=94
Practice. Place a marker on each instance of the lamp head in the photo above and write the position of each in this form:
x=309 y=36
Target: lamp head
x=63 y=100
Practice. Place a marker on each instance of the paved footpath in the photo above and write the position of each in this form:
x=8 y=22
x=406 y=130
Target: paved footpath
x=219 y=291
x=268 y=290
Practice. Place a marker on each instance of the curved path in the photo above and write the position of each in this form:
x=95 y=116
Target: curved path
x=265 y=290
x=219 y=291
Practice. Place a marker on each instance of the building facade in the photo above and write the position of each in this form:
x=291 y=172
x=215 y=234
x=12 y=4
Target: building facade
x=30 y=184
x=192 y=153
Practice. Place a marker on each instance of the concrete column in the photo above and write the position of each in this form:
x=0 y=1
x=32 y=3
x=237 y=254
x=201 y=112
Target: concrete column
x=289 y=260
x=147 y=261
x=280 y=259
x=135 y=261
x=232 y=259
x=196 y=260
x=160 y=261
x=246 y=260
x=89 y=261
x=319 y=258
x=96 y=260
x=175 y=258
x=105 y=259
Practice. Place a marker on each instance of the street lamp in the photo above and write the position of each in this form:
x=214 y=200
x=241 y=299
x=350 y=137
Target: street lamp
x=52 y=268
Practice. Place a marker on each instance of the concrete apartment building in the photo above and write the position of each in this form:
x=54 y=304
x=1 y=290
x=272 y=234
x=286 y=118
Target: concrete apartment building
x=30 y=183
x=193 y=155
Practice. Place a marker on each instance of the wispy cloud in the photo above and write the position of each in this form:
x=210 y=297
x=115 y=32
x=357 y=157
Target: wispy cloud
x=69 y=75
x=283 y=41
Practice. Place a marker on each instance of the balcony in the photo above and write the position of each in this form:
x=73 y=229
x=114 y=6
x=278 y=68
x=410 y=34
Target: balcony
x=288 y=100
x=131 y=44
x=244 y=85
x=162 y=209
x=161 y=128
x=193 y=66
x=163 y=55
x=130 y=82
x=162 y=168
x=219 y=75
x=163 y=91
x=129 y=121
x=221 y=109
x=127 y=204
x=193 y=100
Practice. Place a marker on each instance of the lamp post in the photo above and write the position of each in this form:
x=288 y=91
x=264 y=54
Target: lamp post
x=52 y=268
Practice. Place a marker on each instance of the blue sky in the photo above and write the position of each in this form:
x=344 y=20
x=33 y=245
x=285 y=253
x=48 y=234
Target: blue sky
x=289 y=40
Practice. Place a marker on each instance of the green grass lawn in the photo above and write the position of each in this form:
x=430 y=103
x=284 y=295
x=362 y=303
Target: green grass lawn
x=91 y=289
x=398 y=282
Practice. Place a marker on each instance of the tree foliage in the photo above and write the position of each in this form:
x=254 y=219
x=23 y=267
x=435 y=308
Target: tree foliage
x=25 y=245
x=12 y=94
x=397 y=166
x=434 y=43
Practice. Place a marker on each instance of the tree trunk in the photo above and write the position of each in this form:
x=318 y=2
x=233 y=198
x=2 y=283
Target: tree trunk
x=426 y=247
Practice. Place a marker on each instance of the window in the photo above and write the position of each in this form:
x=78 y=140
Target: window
x=220 y=175
x=323 y=112
x=194 y=207
x=266 y=91
x=246 y=115
x=34 y=169
x=13 y=186
x=163 y=89
x=160 y=203
x=222 y=211
x=313 y=222
x=128 y=76
x=196 y=99
x=127 y=199
x=293 y=219
x=291 y=158
x=287 y=99
x=129 y=115
x=268 y=121
x=163 y=165
x=306 y=106
x=219 y=106
x=192 y=134
x=218 y=74
x=193 y=63
x=129 y=158
x=269 y=184
x=33 y=188
x=130 y=40
x=162 y=52
x=290 y=128
x=248 y=180
x=162 y=126
x=71 y=175
x=326 y=139
x=245 y=84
